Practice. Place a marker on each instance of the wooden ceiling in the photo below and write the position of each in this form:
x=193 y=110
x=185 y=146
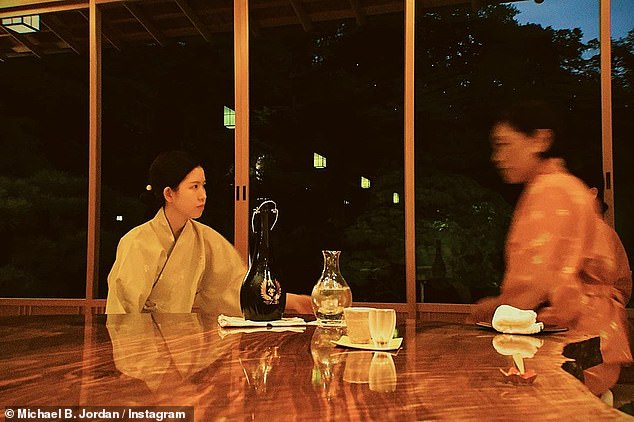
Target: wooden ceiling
x=64 y=23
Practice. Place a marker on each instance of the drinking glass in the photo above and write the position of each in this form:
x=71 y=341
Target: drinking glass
x=382 y=323
x=357 y=324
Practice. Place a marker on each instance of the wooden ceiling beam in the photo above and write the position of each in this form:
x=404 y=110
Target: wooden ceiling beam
x=143 y=19
x=301 y=14
x=21 y=7
x=21 y=39
x=55 y=25
x=194 y=19
x=359 y=15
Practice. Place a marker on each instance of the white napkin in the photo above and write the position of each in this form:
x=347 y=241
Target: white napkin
x=229 y=321
x=510 y=320
x=224 y=332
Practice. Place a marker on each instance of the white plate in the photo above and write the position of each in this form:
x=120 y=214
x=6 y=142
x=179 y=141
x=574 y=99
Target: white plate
x=546 y=329
x=394 y=344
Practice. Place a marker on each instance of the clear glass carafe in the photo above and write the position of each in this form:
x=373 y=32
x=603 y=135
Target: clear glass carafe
x=331 y=293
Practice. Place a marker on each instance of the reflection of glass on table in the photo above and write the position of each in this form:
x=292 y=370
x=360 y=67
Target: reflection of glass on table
x=357 y=367
x=382 y=375
x=81 y=357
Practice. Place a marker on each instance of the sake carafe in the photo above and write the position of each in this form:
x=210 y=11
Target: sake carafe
x=261 y=295
x=331 y=293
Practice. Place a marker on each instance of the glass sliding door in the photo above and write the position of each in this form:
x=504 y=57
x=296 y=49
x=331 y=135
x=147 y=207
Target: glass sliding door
x=43 y=164
x=156 y=98
x=327 y=146
x=622 y=27
x=471 y=63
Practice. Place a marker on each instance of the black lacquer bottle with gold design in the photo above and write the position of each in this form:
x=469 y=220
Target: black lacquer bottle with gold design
x=261 y=295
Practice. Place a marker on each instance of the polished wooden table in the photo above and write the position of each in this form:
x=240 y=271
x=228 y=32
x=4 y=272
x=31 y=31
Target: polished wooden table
x=442 y=372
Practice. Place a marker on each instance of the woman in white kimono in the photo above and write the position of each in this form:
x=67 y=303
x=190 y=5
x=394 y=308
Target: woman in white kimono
x=171 y=263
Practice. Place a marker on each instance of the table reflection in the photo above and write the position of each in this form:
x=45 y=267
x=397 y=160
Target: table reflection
x=332 y=365
x=257 y=368
x=357 y=368
x=518 y=348
x=327 y=360
x=442 y=372
x=382 y=373
x=164 y=350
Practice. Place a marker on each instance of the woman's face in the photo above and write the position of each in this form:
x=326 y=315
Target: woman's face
x=515 y=154
x=190 y=196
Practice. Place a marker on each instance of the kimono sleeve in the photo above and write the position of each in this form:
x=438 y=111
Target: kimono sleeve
x=219 y=288
x=132 y=275
x=546 y=248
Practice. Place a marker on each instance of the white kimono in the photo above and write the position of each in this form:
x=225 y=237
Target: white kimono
x=201 y=267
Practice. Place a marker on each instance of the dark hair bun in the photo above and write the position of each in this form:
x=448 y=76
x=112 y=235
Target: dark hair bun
x=168 y=170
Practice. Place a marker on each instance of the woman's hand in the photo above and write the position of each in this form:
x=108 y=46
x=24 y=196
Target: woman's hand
x=565 y=307
x=483 y=310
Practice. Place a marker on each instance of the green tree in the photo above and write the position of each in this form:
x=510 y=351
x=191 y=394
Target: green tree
x=470 y=220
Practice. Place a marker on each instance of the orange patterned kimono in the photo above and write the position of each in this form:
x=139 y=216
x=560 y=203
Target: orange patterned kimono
x=566 y=263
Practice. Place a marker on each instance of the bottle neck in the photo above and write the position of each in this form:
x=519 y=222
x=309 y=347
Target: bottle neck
x=331 y=263
x=263 y=247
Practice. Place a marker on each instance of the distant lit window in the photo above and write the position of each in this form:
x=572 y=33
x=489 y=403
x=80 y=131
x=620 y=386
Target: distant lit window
x=22 y=24
x=319 y=161
x=346 y=202
x=119 y=218
x=396 y=198
x=365 y=182
x=230 y=118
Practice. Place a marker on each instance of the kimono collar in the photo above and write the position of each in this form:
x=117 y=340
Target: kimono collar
x=161 y=219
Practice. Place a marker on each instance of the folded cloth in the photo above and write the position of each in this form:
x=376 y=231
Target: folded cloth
x=229 y=321
x=224 y=332
x=510 y=320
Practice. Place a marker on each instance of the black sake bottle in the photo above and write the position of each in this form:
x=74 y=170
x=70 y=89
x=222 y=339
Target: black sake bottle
x=261 y=295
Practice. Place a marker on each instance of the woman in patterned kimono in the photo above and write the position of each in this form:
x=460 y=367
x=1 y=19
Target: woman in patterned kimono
x=172 y=262
x=562 y=260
